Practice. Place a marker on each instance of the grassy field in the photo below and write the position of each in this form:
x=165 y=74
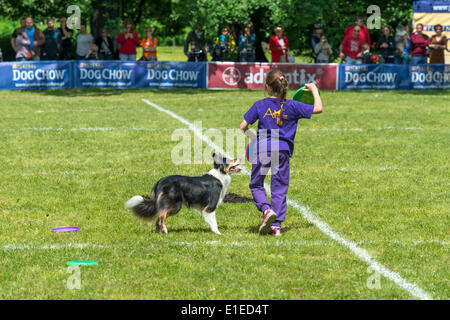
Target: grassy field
x=175 y=53
x=374 y=166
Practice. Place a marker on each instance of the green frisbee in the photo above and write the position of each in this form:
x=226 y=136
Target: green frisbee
x=304 y=96
x=82 y=263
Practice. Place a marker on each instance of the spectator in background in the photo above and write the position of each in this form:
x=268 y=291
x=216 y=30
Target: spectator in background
x=105 y=46
x=386 y=46
x=366 y=56
x=315 y=39
x=322 y=50
x=225 y=44
x=128 y=41
x=149 y=44
x=22 y=45
x=36 y=37
x=66 y=40
x=15 y=33
x=402 y=44
x=197 y=39
x=247 y=45
x=438 y=45
x=279 y=46
x=419 y=46
x=351 y=47
x=52 y=46
x=365 y=35
x=84 y=42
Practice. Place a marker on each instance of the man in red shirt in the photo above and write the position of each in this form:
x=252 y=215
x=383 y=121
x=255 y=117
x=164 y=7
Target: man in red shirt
x=419 y=45
x=350 y=48
x=365 y=36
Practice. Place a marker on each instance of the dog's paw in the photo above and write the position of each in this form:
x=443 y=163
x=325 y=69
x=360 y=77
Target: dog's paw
x=217 y=232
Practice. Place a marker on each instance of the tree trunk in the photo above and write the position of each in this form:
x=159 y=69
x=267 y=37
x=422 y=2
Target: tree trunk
x=102 y=12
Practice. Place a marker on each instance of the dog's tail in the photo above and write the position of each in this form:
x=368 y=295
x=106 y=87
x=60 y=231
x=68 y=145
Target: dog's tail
x=143 y=206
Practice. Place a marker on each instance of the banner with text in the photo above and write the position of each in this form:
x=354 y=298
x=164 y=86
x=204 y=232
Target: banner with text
x=389 y=76
x=252 y=76
x=117 y=74
x=36 y=75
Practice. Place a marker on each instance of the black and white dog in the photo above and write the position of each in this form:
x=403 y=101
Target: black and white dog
x=203 y=193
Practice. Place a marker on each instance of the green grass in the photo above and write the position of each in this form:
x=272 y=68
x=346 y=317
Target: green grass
x=374 y=166
x=175 y=53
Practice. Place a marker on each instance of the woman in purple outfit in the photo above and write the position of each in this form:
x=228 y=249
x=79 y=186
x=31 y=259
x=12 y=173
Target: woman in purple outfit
x=277 y=126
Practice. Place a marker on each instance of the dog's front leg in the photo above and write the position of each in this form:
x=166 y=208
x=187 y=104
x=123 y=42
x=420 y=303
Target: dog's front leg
x=210 y=219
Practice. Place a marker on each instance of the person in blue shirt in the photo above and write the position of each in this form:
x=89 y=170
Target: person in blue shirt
x=247 y=45
x=36 y=37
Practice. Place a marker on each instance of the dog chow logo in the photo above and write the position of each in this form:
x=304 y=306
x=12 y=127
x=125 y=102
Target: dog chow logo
x=231 y=76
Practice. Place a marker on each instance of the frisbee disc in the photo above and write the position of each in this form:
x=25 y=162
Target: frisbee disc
x=250 y=151
x=82 y=263
x=304 y=96
x=65 y=229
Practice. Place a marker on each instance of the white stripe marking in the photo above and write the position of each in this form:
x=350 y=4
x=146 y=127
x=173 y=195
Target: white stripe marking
x=362 y=254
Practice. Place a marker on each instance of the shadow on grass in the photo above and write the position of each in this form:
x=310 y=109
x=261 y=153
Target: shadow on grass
x=201 y=229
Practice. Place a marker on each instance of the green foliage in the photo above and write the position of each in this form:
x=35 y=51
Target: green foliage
x=172 y=19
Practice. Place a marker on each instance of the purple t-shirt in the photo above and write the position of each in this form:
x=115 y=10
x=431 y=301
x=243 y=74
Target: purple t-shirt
x=266 y=112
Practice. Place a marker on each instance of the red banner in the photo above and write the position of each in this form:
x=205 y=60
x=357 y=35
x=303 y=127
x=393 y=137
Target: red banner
x=228 y=75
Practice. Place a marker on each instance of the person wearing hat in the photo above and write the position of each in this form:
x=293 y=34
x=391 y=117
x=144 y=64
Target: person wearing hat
x=149 y=44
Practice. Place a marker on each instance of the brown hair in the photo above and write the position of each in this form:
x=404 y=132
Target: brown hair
x=438 y=26
x=129 y=21
x=278 y=86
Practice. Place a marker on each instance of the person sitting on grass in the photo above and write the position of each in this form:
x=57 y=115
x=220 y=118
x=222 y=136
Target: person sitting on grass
x=277 y=126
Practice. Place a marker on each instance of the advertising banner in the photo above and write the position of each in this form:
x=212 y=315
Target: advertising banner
x=120 y=74
x=392 y=76
x=432 y=76
x=373 y=77
x=104 y=74
x=171 y=75
x=228 y=75
x=36 y=75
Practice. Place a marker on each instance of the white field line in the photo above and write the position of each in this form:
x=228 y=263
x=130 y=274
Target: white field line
x=213 y=243
x=362 y=254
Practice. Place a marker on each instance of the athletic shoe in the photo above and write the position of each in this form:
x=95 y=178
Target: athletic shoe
x=266 y=221
x=276 y=231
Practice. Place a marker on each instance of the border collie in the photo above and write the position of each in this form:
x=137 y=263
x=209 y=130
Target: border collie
x=204 y=194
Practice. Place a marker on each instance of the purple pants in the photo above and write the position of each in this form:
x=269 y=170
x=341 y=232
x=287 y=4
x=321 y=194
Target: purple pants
x=279 y=184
